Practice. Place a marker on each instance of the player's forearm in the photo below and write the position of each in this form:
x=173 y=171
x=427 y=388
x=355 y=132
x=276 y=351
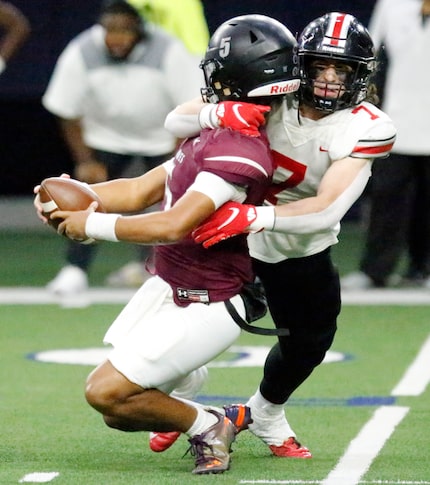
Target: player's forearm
x=134 y=194
x=160 y=227
x=151 y=229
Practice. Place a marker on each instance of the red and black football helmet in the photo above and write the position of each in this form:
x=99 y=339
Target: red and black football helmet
x=338 y=37
x=249 y=58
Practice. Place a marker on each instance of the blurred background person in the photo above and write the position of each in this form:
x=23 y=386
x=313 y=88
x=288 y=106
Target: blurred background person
x=399 y=191
x=14 y=31
x=111 y=90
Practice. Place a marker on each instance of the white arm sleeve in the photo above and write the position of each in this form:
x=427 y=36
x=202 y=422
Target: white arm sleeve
x=182 y=125
x=217 y=189
x=329 y=217
x=187 y=125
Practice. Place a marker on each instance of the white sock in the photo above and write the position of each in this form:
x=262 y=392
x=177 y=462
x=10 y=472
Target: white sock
x=261 y=406
x=204 y=420
x=270 y=423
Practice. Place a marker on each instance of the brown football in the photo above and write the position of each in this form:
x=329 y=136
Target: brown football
x=59 y=193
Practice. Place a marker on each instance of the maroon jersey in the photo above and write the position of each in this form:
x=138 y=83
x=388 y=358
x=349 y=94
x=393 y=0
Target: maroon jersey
x=217 y=273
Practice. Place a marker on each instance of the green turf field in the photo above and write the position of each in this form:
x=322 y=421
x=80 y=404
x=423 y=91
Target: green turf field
x=32 y=258
x=364 y=418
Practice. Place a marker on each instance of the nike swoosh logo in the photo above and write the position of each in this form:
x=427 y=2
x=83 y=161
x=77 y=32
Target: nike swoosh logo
x=323 y=149
x=234 y=213
x=238 y=115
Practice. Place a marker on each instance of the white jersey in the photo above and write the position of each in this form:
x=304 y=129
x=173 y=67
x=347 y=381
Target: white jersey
x=123 y=104
x=303 y=151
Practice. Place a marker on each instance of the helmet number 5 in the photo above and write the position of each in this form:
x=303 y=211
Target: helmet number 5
x=224 y=47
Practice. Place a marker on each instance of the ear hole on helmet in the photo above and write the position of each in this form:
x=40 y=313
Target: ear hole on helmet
x=253 y=37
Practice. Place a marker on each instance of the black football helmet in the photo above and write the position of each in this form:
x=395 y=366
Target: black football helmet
x=249 y=58
x=338 y=37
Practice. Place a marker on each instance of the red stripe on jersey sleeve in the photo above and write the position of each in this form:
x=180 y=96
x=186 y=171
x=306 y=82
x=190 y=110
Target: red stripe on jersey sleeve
x=374 y=151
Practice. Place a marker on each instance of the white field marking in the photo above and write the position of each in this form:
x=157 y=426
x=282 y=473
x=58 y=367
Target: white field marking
x=365 y=446
x=40 y=296
x=39 y=477
x=318 y=482
x=248 y=356
x=413 y=296
x=417 y=375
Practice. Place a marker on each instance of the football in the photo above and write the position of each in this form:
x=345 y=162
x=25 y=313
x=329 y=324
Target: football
x=60 y=193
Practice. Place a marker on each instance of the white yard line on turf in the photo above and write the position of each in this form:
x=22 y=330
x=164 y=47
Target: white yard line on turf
x=40 y=296
x=417 y=375
x=318 y=482
x=39 y=477
x=364 y=448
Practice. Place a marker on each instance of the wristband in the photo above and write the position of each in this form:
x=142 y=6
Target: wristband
x=265 y=219
x=101 y=226
x=2 y=64
x=208 y=117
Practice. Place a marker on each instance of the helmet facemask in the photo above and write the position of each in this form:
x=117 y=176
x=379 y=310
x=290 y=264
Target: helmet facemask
x=217 y=89
x=337 y=39
x=351 y=84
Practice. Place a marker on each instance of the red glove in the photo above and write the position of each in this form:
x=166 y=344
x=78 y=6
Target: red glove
x=243 y=117
x=229 y=220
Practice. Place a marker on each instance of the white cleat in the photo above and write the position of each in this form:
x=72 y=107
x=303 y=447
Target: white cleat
x=71 y=280
x=356 y=281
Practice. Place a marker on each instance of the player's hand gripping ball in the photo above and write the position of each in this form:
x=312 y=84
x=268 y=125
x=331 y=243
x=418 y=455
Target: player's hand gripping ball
x=60 y=193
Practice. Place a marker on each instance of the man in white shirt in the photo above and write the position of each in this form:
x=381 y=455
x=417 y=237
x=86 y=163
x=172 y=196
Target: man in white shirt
x=111 y=89
x=399 y=219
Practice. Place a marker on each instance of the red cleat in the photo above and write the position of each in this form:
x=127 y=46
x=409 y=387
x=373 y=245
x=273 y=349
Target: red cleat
x=291 y=448
x=159 y=442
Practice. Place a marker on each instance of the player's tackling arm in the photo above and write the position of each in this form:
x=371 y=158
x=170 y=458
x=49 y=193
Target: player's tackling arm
x=183 y=121
x=341 y=186
x=189 y=118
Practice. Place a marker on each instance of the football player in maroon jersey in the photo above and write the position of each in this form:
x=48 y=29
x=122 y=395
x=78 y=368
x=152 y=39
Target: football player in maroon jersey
x=178 y=320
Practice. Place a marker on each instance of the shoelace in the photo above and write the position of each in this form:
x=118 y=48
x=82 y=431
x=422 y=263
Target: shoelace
x=196 y=449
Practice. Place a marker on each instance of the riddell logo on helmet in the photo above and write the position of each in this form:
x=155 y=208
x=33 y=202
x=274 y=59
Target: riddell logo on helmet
x=283 y=87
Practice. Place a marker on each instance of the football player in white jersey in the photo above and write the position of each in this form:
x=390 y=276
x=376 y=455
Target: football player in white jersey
x=323 y=141
x=185 y=315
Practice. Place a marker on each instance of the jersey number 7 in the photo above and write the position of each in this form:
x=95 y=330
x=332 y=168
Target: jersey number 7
x=297 y=169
